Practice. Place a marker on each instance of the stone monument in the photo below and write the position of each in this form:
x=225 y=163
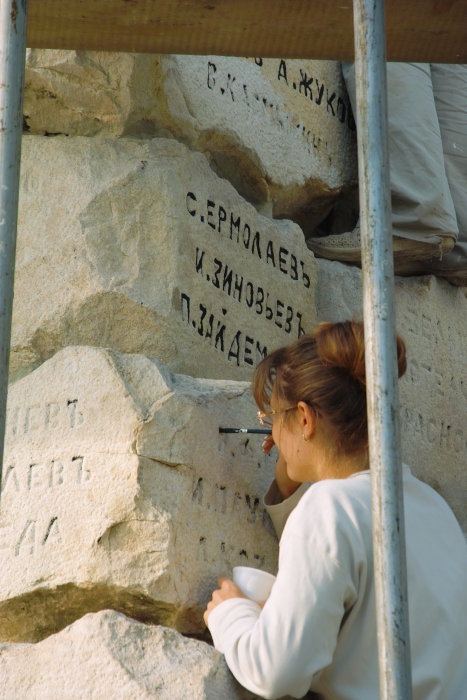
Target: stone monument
x=164 y=206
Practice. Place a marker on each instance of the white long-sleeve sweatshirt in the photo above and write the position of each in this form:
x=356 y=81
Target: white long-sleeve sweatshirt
x=317 y=629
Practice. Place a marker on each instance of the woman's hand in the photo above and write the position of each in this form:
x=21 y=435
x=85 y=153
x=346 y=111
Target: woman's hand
x=285 y=485
x=227 y=589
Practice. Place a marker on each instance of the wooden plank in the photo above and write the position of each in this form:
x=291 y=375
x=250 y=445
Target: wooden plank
x=417 y=30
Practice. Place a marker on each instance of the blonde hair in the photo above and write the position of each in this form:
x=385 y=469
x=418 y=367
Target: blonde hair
x=326 y=370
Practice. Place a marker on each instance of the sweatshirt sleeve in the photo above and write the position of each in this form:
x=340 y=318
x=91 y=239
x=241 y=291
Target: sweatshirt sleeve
x=278 y=508
x=278 y=650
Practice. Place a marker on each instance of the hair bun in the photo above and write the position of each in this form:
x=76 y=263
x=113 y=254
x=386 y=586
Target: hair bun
x=342 y=345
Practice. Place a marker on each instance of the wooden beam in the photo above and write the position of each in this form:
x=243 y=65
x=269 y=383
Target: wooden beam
x=417 y=30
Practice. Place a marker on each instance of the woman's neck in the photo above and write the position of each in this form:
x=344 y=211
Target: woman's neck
x=338 y=465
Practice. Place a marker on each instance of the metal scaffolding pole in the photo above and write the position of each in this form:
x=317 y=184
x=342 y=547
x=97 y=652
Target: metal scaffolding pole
x=13 y=23
x=380 y=352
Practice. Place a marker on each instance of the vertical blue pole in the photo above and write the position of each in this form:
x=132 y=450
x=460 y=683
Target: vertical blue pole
x=13 y=23
x=380 y=352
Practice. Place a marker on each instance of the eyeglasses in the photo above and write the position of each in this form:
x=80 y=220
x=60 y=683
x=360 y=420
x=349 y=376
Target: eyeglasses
x=266 y=417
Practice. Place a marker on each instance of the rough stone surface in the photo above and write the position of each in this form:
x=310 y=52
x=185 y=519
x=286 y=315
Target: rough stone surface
x=119 y=492
x=280 y=131
x=91 y=93
x=107 y=655
x=431 y=317
x=139 y=246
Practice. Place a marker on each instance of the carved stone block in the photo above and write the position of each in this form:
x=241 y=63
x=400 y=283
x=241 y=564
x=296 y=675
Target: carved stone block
x=431 y=317
x=139 y=246
x=281 y=131
x=106 y=654
x=119 y=492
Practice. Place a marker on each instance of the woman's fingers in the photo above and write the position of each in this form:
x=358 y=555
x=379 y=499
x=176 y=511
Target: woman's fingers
x=227 y=589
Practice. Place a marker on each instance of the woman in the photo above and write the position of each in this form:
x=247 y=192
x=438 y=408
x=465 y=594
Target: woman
x=317 y=630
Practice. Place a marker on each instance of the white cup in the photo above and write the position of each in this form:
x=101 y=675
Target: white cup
x=254 y=583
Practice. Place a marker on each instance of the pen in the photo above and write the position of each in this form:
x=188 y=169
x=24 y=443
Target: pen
x=260 y=431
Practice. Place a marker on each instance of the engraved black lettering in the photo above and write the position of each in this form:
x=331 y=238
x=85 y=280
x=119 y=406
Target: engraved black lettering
x=220 y=500
x=56 y=473
x=300 y=329
x=246 y=237
x=341 y=110
x=279 y=313
x=249 y=294
x=203 y=310
x=305 y=278
x=247 y=354
x=190 y=199
x=4 y=532
x=270 y=253
x=252 y=505
x=293 y=267
x=268 y=309
x=27 y=537
x=221 y=217
x=29 y=421
x=220 y=336
x=10 y=474
x=256 y=245
x=210 y=213
x=234 y=226
x=215 y=279
x=52 y=410
x=259 y=300
x=283 y=253
x=197 y=494
x=238 y=285
x=305 y=83
x=212 y=70
x=52 y=532
x=282 y=73
x=201 y=554
x=230 y=81
x=199 y=260
x=319 y=97
x=259 y=62
x=83 y=475
x=13 y=421
x=234 y=350
x=35 y=476
x=208 y=332
x=445 y=434
x=185 y=301
x=329 y=101
x=227 y=282
x=76 y=418
x=288 y=320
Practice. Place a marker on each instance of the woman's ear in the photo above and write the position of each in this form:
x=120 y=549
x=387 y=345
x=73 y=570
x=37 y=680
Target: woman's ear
x=307 y=418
